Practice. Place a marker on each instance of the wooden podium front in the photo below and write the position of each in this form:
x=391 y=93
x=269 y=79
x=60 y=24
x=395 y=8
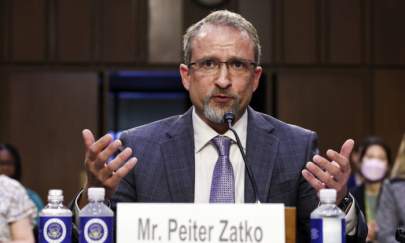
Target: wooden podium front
x=290 y=224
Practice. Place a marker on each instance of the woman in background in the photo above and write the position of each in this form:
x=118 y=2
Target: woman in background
x=17 y=212
x=10 y=165
x=375 y=164
x=391 y=212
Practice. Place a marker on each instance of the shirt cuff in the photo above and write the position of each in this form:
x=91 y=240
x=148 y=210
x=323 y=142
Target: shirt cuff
x=351 y=219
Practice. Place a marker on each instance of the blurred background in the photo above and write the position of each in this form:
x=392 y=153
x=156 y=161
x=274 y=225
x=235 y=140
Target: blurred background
x=332 y=66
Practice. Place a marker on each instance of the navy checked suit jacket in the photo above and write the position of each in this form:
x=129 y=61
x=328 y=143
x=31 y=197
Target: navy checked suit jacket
x=276 y=152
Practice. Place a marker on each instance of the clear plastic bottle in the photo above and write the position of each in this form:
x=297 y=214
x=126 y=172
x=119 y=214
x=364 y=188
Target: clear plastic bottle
x=96 y=219
x=327 y=220
x=55 y=220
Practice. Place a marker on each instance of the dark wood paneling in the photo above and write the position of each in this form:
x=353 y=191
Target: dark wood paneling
x=335 y=104
x=346 y=31
x=28 y=30
x=299 y=31
x=260 y=14
x=4 y=114
x=47 y=114
x=389 y=106
x=389 y=32
x=194 y=12
x=3 y=30
x=119 y=30
x=74 y=30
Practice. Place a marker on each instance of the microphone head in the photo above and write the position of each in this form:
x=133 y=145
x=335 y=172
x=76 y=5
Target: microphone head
x=229 y=117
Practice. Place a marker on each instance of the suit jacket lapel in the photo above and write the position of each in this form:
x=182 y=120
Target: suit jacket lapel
x=261 y=148
x=178 y=154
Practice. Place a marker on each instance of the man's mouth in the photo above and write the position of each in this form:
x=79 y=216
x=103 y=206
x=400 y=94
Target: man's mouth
x=220 y=98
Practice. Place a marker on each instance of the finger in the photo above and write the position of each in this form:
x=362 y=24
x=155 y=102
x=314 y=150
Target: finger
x=116 y=163
x=312 y=180
x=109 y=151
x=105 y=171
x=99 y=145
x=88 y=138
x=347 y=148
x=339 y=159
x=321 y=175
x=123 y=171
x=331 y=167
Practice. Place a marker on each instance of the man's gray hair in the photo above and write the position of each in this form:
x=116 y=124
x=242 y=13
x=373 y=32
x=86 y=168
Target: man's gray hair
x=224 y=18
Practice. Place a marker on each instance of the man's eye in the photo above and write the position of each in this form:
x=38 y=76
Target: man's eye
x=208 y=64
x=236 y=64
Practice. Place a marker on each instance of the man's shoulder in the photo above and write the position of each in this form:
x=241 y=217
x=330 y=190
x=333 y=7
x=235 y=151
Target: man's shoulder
x=154 y=129
x=281 y=128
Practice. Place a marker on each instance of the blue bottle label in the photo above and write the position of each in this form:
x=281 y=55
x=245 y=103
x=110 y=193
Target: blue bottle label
x=316 y=231
x=96 y=229
x=55 y=229
x=331 y=230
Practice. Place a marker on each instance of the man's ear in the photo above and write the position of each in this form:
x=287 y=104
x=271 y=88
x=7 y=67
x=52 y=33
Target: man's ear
x=185 y=76
x=256 y=77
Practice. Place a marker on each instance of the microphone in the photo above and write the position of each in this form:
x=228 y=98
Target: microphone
x=229 y=117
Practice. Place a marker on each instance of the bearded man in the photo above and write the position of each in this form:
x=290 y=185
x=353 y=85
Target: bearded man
x=177 y=159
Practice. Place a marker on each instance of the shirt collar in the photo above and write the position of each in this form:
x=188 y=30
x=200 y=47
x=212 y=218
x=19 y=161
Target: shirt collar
x=203 y=133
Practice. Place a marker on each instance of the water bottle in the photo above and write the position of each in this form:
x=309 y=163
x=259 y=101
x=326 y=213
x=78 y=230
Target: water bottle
x=55 y=220
x=327 y=220
x=96 y=219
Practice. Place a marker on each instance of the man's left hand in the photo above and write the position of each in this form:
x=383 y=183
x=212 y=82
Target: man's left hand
x=332 y=172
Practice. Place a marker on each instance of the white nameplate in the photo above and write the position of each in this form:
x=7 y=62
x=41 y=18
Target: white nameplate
x=191 y=223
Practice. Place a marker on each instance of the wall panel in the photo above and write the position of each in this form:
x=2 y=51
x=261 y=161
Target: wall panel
x=389 y=113
x=4 y=14
x=48 y=111
x=119 y=31
x=389 y=32
x=346 y=30
x=299 y=43
x=28 y=30
x=335 y=104
x=73 y=31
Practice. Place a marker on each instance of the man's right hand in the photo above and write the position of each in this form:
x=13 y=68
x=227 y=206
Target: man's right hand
x=99 y=172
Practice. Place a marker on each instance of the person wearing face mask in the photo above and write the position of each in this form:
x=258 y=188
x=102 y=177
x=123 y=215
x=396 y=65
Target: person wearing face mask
x=375 y=164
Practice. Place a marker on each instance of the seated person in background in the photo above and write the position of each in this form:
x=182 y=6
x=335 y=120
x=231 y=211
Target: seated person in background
x=177 y=157
x=17 y=212
x=391 y=209
x=10 y=165
x=375 y=164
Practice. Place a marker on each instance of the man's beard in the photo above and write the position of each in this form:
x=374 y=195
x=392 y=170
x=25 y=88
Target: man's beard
x=216 y=113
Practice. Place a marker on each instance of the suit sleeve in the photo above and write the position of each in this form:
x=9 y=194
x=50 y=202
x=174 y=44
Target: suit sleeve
x=387 y=215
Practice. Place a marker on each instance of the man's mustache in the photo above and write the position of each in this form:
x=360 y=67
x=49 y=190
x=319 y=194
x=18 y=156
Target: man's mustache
x=217 y=92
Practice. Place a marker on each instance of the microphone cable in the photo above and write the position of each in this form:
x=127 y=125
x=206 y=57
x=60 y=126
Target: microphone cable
x=229 y=117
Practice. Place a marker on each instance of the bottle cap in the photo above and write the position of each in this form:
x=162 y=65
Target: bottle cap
x=96 y=193
x=55 y=195
x=327 y=195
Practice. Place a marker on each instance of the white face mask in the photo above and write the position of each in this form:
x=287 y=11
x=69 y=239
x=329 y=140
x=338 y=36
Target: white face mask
x=373 y=169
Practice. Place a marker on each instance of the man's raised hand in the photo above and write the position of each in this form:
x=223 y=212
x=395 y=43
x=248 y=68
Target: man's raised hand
x=101 y=172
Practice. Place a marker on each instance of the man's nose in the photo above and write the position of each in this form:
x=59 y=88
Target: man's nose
x=223 y=79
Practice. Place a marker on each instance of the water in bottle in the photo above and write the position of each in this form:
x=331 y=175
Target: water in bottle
x=55 y=220
x=96 y=219
x=327 y=220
